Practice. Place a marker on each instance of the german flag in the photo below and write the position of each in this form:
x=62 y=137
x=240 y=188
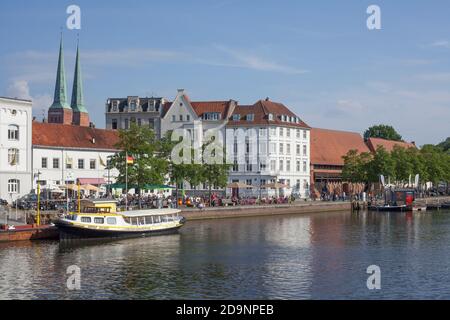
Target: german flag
x=130 y=160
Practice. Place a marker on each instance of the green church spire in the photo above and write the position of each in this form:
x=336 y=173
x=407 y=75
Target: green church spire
x=77 y=91
x=60 y=98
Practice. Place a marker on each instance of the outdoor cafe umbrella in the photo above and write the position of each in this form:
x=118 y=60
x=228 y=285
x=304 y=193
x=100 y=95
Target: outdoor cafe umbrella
x=90 y=187
x=72 y=187
x=275 y=185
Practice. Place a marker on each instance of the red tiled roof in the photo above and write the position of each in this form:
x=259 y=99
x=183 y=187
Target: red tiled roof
x=388 y=145
x=201 y=107
x=69 y=136
x=261 y=111
x=329 y=146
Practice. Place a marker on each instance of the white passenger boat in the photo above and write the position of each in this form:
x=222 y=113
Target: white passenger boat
x=100 y=219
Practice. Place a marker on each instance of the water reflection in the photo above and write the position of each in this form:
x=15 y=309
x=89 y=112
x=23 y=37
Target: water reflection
x=286 y=257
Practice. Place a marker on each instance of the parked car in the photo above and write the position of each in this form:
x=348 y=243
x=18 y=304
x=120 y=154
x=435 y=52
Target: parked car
x=3 y=202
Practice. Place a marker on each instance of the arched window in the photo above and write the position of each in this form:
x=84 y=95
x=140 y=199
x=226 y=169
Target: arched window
x=13 y=156
x=13 y=186
x=13 y=132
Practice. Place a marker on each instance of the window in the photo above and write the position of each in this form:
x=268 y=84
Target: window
x=93 y=164
x=236 y=117
x=126 y=124
x=273 y=132
x=44 y=163
x=262 y=132
x=288 y=148
x=281 y=165
x=262 y=149
x=115 y=106
x=114 y=124
x=305 y=150
x=174 y=118
x=188 y=118
x=86 y=219
x=305 y=169
x=80 y=163
x=133 y=106
x=273 y=148
x=288 y=132
x=249 y=166
x=281 y=132
x=281 y=148
x=298 y=167
x=250 y=117
x=273 y=165
x=55 y=163
x=249 y=182
x=305 y=134
x=262 y=166
x=298 y=133
x=139 y=123
x=13 y=186
x=13 y=132
x=270 y=117
x=235 y=166
x=99 y=220
x=298 y=150
x=151 y=123
x=288 y=165
x=211 y=116
x=13 y=156
x=181 y=117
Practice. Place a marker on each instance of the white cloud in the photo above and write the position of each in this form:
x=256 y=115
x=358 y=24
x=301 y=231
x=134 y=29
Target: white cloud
x=21 y=89
x=252 y=61
x=441 y=43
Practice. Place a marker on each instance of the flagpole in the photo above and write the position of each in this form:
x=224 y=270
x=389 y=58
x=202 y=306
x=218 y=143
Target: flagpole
x=126 y=180
x=17 y=182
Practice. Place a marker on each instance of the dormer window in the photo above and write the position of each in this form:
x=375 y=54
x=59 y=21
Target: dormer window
x=270 y=116
x=211 y=116
x=115 y=106
x=133 y=106
x=250 y=117
x=236 y=117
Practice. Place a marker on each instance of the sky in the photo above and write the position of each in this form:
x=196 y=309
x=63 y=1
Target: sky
x=316 y=57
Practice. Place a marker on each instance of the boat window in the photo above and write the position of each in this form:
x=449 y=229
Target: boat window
x=164 y=218
x=141 y=221
x=96 y=210
x=134 y=221
x=127 y=220
x=170 y=218
x=111 y=220
x=99 y=220
x=86 y=219
x=156 y=219
x=148 y=220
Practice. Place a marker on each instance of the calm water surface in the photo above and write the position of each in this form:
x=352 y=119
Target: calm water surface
x=321 y=256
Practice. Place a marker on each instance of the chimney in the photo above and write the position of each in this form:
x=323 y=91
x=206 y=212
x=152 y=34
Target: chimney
x=267 y=99
x=180 y=90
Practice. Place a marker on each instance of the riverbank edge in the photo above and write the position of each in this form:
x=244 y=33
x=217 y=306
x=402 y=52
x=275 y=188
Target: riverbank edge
x=272 y=210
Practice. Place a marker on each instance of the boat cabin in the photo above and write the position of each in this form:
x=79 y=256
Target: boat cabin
x=98 y=206
x=399 y=197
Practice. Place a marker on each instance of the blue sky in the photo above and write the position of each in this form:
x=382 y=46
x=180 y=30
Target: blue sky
x=317 y=57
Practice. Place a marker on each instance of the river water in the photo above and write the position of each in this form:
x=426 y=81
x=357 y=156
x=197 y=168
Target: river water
x=320 y=256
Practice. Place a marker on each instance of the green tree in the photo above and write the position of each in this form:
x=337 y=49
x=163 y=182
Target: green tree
x=381 y=164
x=382 y=131
x=356 y=166
x=149 y=167
x=445 y=145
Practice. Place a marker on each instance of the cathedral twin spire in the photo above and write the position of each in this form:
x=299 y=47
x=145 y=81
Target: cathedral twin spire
x=60 y=111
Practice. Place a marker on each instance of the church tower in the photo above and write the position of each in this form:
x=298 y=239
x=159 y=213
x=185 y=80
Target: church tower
x=60 y=111
x=80 y=113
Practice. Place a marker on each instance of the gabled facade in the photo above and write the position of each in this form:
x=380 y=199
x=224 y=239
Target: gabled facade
x=282 y=143
x=15 y=148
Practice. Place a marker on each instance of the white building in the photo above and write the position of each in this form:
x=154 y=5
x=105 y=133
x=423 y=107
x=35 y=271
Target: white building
x=280 y=141
x=66 y=154
x=15 y=148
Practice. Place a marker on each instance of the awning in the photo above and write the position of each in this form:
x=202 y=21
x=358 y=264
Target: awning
x=92 y=181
